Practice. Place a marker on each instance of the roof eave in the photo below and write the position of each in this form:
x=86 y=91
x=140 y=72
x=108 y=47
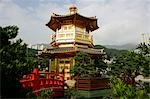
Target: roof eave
x=55 y=19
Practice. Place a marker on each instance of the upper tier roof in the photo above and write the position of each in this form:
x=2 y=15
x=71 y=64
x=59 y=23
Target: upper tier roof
x=56 y=20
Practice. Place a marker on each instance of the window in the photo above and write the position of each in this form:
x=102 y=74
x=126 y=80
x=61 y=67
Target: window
x=61 y=35
x=61 y=62
x=67 y=62
x=69 y=35
x=65 y=28
x=70 y=27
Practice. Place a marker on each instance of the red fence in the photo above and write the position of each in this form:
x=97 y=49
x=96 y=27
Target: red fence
x=40 y=81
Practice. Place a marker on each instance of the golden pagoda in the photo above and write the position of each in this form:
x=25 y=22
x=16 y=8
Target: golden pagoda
x=72 y=34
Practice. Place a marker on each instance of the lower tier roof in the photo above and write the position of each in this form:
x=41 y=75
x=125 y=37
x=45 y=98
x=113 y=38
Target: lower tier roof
x=60 y=51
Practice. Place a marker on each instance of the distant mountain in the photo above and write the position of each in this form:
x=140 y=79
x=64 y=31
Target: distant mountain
x=128 y=46
x=111 y=52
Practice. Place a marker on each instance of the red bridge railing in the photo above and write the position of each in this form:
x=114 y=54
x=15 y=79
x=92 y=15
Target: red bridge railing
x=40 y=81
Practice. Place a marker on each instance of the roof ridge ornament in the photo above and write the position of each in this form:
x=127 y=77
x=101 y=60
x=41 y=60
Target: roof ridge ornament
x=53 y=14
x=73 y=9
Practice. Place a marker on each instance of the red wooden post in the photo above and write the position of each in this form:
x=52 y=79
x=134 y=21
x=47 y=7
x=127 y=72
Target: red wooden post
x=36 y=71
x=36 y=79
x=62 y=80
x=46 y=80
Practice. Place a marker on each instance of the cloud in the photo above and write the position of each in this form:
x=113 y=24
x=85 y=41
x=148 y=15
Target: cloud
x=120 y=21
x=31 y=29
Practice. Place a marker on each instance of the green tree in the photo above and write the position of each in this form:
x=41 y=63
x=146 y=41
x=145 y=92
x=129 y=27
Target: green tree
x=125 y=91
x=111 y=53
x=100 y=66
x=85 y=66
x=128 y=66
x=143 y=49
x=144 y=52
x=132 y=63
x=44 y=63
x=14 y=62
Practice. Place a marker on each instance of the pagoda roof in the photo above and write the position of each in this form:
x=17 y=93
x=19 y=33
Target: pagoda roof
x=63 y=50
x=56 y=20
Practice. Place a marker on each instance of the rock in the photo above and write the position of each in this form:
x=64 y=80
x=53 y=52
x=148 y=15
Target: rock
x=70 y=83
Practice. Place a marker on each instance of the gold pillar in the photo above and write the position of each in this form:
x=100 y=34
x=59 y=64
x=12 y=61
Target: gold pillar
x=50 y=66
x=73 y=62
x=55 y=64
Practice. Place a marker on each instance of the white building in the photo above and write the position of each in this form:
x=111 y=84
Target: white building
x=40 y=46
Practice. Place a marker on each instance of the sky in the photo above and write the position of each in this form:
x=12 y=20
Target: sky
x=120 y=21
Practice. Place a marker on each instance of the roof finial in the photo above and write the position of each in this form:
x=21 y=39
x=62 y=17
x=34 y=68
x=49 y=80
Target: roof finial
x=73 y=9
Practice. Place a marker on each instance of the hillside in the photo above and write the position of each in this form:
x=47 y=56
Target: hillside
x=110 y=51
x=128 y=46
